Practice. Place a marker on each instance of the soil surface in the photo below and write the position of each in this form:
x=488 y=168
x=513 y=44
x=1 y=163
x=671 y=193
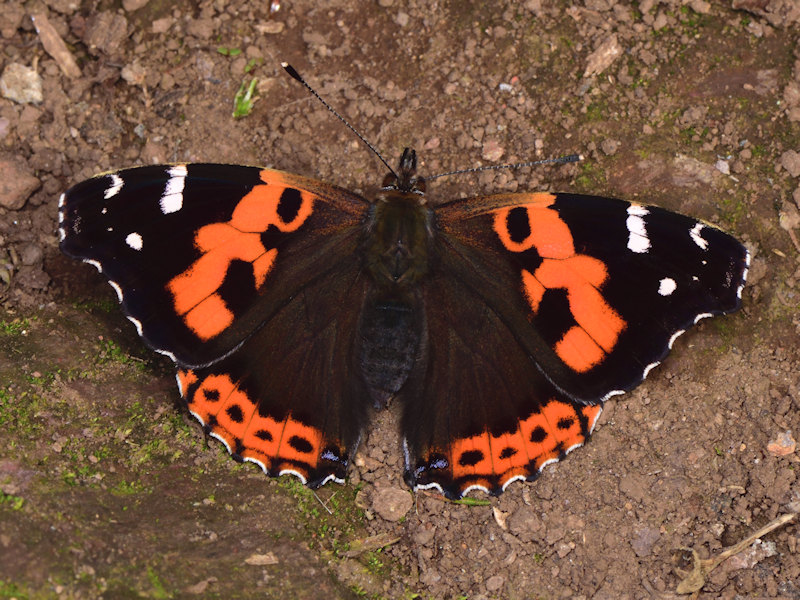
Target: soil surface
x=109 y=489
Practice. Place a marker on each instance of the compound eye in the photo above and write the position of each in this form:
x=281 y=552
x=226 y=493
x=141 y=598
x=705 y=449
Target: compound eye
x=390 y=181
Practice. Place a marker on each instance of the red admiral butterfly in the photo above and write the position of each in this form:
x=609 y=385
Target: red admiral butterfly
x=501 y=323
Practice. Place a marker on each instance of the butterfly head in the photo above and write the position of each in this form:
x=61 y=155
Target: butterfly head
x=406 y=179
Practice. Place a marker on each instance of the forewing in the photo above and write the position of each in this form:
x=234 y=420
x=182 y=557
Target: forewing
x=595 y=289
x=202 y=255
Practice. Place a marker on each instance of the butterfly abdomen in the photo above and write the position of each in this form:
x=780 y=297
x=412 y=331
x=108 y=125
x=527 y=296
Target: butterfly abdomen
x=390 y=334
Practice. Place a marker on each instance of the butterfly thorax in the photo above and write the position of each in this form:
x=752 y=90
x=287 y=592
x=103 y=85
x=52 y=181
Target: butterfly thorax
x=399 y=232
x=397 y=240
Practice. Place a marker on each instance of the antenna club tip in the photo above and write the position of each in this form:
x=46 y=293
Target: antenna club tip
x=581 y=157
x=291 y=71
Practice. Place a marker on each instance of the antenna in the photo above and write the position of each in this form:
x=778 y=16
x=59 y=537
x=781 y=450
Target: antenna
x=560 y=160
x=295 y=75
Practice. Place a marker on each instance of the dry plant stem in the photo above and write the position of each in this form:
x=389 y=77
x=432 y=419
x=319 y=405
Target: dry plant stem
x=695 y=579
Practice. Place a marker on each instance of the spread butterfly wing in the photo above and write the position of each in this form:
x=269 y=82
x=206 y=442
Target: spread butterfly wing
x=601 y=287
x=542 y=306
x=480 y=414
x=290 y=399
x=202 y=255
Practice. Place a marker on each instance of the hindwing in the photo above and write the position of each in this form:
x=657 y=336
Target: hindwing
x=291 y=398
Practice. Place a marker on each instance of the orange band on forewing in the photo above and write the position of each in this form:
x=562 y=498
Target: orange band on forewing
x=209 y=317
x=263 y=265
x=600 y=324
x=259 y=209
x=580 y=275
x=194 y=292
x=534 y=290
x=578 y=350
x=550 y=234
x=256 y=211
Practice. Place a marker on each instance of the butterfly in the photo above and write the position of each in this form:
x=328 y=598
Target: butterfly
x=294 y=308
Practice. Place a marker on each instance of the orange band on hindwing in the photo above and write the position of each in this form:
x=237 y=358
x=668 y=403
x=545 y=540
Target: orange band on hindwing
x=195 y=291
x=537 y=226
x=232 y=415
x=544 y=436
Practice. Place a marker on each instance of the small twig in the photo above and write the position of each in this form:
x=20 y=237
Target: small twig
x=325 y=506
x=370 y=544
x=694 y=580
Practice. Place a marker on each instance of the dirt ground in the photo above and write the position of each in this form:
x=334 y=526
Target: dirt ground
x=109 y=489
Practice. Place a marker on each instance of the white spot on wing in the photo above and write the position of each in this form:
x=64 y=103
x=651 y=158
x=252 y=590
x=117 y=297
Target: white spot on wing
x=113 y=189
x=134 y=240
x=117 y=289
x=649 y=368
x=166 y=353
x=62 y=200
x=468 y=489
x=744 y=275
x=666 y=286
x=638 y=210
x=596 y=419
x=136 y=323
x=429 y=486
x=94 y=263
x=178 y=171
x=702 y=316
x=694 y=233
x=291 y=472
x=180 y=385
x=172 y=198
x=611 y=394
x=257 y=462
x=637 y=231
x=547 y=462
x=512 y=480
x=224 y=441
x=332 y=477
x=675 y=336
